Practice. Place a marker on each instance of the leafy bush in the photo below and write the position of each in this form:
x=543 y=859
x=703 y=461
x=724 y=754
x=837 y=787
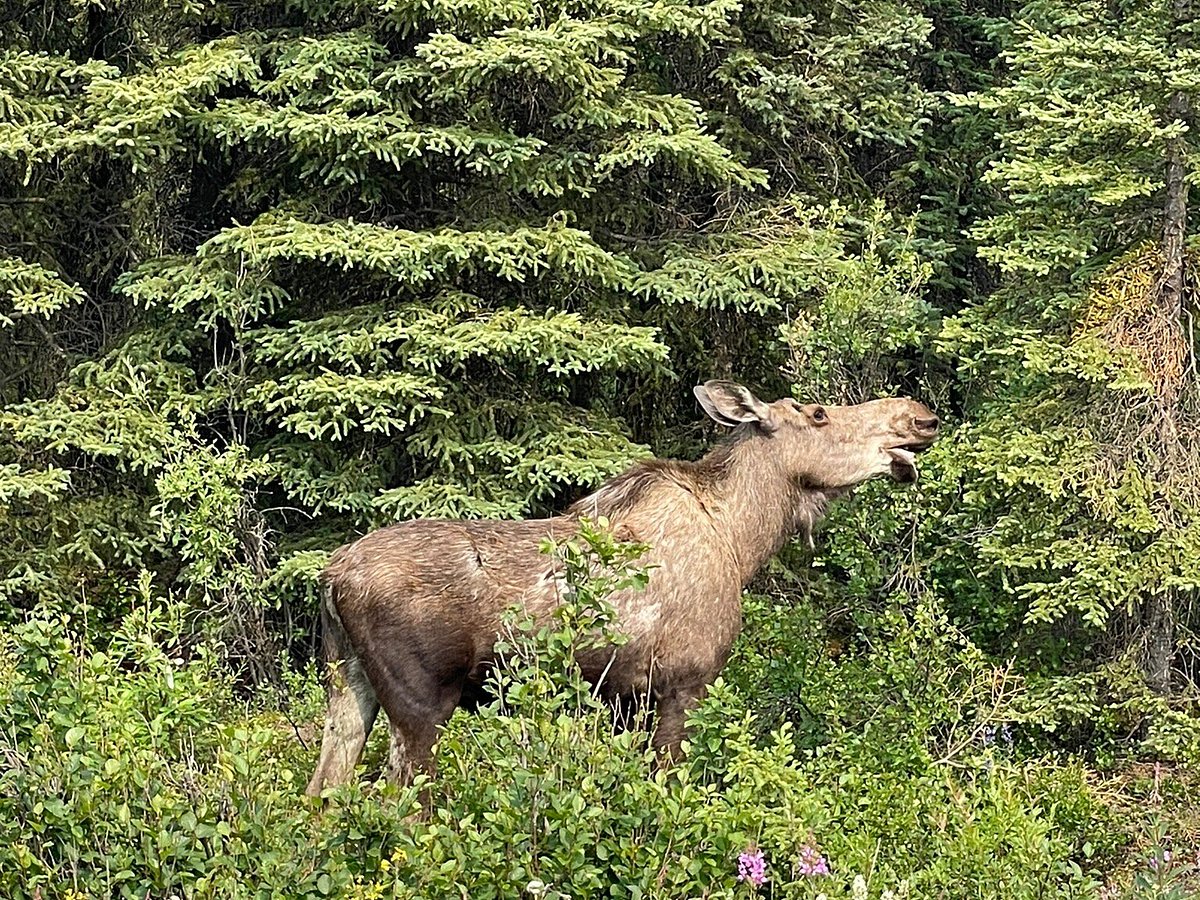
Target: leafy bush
x=132 y=772
x=136 y=771
x=537 y=795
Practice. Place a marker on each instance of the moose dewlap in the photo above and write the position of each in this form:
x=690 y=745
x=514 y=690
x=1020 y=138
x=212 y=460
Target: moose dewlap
x=411 y=612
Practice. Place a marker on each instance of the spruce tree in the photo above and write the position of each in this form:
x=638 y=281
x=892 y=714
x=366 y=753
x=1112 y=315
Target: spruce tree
x=369 y=261
x=1081 y=368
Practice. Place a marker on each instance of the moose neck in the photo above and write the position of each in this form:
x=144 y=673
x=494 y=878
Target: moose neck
x=757 y=506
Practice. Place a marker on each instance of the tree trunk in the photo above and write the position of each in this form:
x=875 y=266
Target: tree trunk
x=1175 y=215
x=1158 y=613
x=1159 y=622
x=1159 y=610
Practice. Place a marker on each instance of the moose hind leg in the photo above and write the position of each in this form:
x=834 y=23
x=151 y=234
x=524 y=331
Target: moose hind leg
x=353 y=707
x=671 y=722
x=410 y=752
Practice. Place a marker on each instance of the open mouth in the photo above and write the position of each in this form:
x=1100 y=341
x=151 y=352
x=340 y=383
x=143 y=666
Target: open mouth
x=904 y=460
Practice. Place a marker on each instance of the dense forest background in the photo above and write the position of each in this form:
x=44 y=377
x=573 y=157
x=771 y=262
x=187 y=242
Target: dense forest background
x=275 y=273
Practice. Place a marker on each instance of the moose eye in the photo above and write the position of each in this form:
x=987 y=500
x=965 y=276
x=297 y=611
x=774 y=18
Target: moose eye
x=818 y=415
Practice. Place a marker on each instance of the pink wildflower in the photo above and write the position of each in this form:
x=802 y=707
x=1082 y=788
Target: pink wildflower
x=752 y=866
x=812 y=862
x=1164 y=860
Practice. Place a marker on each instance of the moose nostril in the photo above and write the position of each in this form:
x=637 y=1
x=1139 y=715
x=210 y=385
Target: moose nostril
x=929 y=424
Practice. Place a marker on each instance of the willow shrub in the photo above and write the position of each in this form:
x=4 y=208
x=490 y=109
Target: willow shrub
x=131 y=771
x=134 y=771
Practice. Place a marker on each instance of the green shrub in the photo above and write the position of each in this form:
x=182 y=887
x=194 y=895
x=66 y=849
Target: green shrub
x=132 y=772
x=536 y=795
x=136 y=771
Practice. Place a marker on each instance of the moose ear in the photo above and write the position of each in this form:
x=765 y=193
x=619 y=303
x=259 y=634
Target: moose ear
x=731 y=404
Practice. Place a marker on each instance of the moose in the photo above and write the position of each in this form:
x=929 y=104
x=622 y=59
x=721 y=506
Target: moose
x=411 y=612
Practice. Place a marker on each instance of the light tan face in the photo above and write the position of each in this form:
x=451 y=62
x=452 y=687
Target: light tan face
x=830 y=446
